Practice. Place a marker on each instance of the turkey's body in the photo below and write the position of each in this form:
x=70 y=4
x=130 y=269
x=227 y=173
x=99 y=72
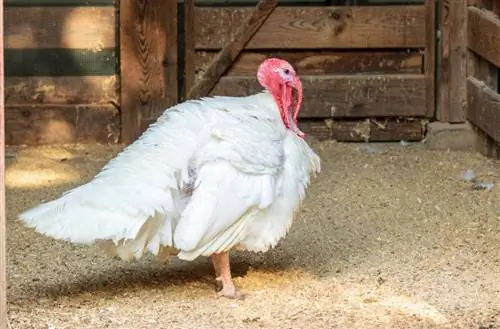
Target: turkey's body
x=208 y=176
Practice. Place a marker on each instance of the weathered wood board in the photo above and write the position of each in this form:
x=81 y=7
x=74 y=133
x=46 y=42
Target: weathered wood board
x=484 y=34
x=484 y=107
x=148 y=52
x=369 y=130
x=59 y=124
x=354 y=96
x=317 y=27
x=60 y=27
x=324 y=62
x=62 y=90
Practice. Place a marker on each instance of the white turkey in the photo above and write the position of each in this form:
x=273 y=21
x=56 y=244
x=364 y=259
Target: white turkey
x=210 y=175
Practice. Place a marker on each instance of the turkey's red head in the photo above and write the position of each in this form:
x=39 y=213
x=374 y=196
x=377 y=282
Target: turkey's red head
x=279 y=78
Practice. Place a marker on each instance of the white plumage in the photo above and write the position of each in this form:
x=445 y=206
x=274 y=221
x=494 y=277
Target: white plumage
x=209 y=175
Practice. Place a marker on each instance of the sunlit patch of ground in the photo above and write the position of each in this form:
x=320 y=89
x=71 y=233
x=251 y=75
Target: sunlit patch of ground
x=390 y=237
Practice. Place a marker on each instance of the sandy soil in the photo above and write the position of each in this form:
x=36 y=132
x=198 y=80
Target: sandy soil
x=390 y=236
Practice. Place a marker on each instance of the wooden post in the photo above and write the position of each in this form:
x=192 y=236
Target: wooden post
x=232 y=49
x=3 y=224
x=189 y=50
x=148 y=62
x=430 y=56
x=443 y=106
x=453 y=93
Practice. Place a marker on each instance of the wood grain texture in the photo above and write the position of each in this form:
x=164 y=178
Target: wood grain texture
x=317 y=27
x=453 y=94
x=189 y=51
x=484 y=34
x=62 y=90
x=58 y=124
x=368 y=130
x=430 y=56
x=146 y=28
x=458 y=61
x=322 y=62
x=484 y=107
x=354 y=96
x=443 y=108
x=60 y=27
x=223 y=60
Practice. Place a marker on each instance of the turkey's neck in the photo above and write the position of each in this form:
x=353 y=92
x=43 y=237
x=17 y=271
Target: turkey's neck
x=284 y=100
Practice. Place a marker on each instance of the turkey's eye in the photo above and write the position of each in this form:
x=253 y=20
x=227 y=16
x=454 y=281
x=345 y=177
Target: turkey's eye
x=286 y=71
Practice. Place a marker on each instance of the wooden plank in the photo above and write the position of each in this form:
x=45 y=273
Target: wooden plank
x=144 y=30
x=443 y=108
x=60 y=27
x=189 y=51
x=484 y=107
x=317 y=27
x=347 y=95
x=484 y=34
x=323 y=62
x=58 y=124
x=59 y=3
x=60 y=62
x=369 y=130
x=453 y=102
x=430 y=56
x=223 y=60
x=62 y=90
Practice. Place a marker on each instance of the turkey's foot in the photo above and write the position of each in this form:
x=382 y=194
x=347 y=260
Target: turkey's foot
x=224 y=283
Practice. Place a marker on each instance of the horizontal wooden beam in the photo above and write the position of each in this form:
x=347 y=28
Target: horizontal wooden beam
x=60 y=62
x=59 y=124
x=484 y=34
x=367 y=130
x=483 y=107
x=324 y=62
x=317 y=27
x=342 y=96
x=58 y=3
x=62 y=90
x=60 y=27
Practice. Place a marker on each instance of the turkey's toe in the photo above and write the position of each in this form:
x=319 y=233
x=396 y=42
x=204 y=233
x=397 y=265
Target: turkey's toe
x=231 y=293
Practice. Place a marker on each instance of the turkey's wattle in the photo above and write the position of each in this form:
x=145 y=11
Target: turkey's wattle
x=209 y=176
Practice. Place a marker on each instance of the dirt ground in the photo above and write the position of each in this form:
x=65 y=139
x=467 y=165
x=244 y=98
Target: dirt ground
x=390 y=236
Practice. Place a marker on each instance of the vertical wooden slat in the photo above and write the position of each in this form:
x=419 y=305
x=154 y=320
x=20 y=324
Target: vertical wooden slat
x=3 y=224
x=170 y=67
x=458 y=61
x=148 y=55
x=443 y=110
x=430 y=55
x=189 y=53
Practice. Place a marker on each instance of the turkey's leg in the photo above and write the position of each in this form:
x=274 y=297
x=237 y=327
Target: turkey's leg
x=223 y=274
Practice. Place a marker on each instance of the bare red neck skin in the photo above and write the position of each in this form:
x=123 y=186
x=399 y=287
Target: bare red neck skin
x=283 y=96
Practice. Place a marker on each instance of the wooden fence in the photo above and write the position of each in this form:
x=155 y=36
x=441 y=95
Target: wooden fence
x=483 y=80
x=368 y=71
x=61 y=67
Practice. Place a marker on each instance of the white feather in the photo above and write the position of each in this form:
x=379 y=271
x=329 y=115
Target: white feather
x=209 y=175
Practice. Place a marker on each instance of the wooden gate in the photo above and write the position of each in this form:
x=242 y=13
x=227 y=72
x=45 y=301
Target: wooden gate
x=483 y=81
x=368 y=71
